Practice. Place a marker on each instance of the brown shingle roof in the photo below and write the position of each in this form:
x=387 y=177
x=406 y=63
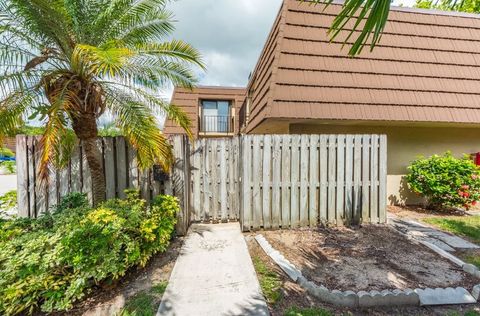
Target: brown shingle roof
x=425 y=69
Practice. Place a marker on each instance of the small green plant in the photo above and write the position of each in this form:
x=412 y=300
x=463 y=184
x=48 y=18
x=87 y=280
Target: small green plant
x=53 y=261
x=296 y=311
x=160 y=287
x=10 y=166
x=142 y=304
x=8 y=200
x=445 y=182
x=270 y=281
x=145 y=303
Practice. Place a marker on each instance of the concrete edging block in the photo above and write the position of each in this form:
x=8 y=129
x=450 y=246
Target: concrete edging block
x=476 y=292
x=470 y=268
x=388 y=298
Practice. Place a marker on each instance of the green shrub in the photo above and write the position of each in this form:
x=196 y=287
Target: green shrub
x=445 y=181
x=51 y=262
x=10 y=166
x=5 y=152
x=8 y=200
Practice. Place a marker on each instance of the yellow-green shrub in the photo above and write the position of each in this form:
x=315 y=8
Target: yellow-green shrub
x=51 y=262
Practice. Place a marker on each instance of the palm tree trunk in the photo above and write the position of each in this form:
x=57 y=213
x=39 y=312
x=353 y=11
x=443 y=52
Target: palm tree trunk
x=85 y=127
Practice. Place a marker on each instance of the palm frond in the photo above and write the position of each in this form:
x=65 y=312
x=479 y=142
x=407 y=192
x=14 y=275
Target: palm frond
x=373 y=14
x=140 y=127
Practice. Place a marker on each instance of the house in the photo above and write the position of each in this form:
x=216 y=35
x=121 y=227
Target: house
x=420 y=86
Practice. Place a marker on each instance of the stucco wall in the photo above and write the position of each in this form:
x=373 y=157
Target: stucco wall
x=404 y=145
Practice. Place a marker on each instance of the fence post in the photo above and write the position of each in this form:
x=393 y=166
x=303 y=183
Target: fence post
x=22 y=176
x=180 y=181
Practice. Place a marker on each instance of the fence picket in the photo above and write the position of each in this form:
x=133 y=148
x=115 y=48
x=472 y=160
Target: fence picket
x=374 y=179
x=223 y=181
x=246 y=209
x=323 y=192
x=267 y=156
x=332 y=176
x=276 y=180
x=357 y=179
x=257 y=201
x=206 y=181
x=295 y=187
x=313 y=181
x=349 y=161
x=109 y=168
x=366 y=177
x=304 y=174
x=340 y=199
x=382 y=188
x=286 y=184
x=122 y=167
x=196 y=178
x=22 y=176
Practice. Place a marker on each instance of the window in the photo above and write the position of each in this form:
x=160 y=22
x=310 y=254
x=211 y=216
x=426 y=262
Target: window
x=216 y=116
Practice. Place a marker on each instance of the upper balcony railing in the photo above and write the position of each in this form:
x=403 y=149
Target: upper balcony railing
x=218 y=124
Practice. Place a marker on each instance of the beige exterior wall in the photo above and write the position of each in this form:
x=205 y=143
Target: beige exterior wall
x=404 y=145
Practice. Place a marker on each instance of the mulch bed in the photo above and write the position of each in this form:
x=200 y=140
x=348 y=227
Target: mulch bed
x=294 y=295
x=369 y=258
x=417 y=212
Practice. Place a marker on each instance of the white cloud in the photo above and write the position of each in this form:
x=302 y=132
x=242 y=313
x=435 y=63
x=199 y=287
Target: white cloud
x=230 y=34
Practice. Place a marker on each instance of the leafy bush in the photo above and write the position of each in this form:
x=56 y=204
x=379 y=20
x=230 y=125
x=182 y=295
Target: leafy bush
x=10 y=166
x=8 y=200
x=445 y=181
x=5 y=152
x=51 y=262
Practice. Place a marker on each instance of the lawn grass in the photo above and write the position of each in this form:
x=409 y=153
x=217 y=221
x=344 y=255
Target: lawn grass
x=295 y=311
x=468 y=313
x=464 y=226
x=145 y=303
x=473 y=259
x=270 y=281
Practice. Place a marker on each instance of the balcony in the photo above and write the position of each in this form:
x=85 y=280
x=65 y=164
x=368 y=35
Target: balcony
x=216 y=125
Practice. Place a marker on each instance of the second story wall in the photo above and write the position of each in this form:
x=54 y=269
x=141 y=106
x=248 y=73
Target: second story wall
x=191 y=102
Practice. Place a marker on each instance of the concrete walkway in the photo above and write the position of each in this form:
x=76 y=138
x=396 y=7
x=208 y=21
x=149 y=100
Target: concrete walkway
x=213 y=275
x=436 y=237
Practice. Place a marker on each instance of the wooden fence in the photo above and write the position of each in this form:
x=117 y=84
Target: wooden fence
x=297 y=181
x=268 y=181
x=121 y=172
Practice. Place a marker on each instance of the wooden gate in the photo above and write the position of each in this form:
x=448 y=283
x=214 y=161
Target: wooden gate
x=215 y=190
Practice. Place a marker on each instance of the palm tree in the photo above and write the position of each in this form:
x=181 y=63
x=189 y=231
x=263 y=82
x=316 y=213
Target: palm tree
x=72 y=60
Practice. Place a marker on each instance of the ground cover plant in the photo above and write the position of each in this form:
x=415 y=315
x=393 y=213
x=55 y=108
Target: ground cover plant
x=145 y=303
x=445 y=182
x=8 y=201
x=51 y=262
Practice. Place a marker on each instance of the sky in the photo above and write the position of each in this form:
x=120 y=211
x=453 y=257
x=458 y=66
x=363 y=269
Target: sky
x=230 y=34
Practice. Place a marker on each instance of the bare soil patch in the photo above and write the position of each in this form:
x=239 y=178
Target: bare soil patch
x=369 y=258
x=294 y=295
x=419 y=213
x=109 y=299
